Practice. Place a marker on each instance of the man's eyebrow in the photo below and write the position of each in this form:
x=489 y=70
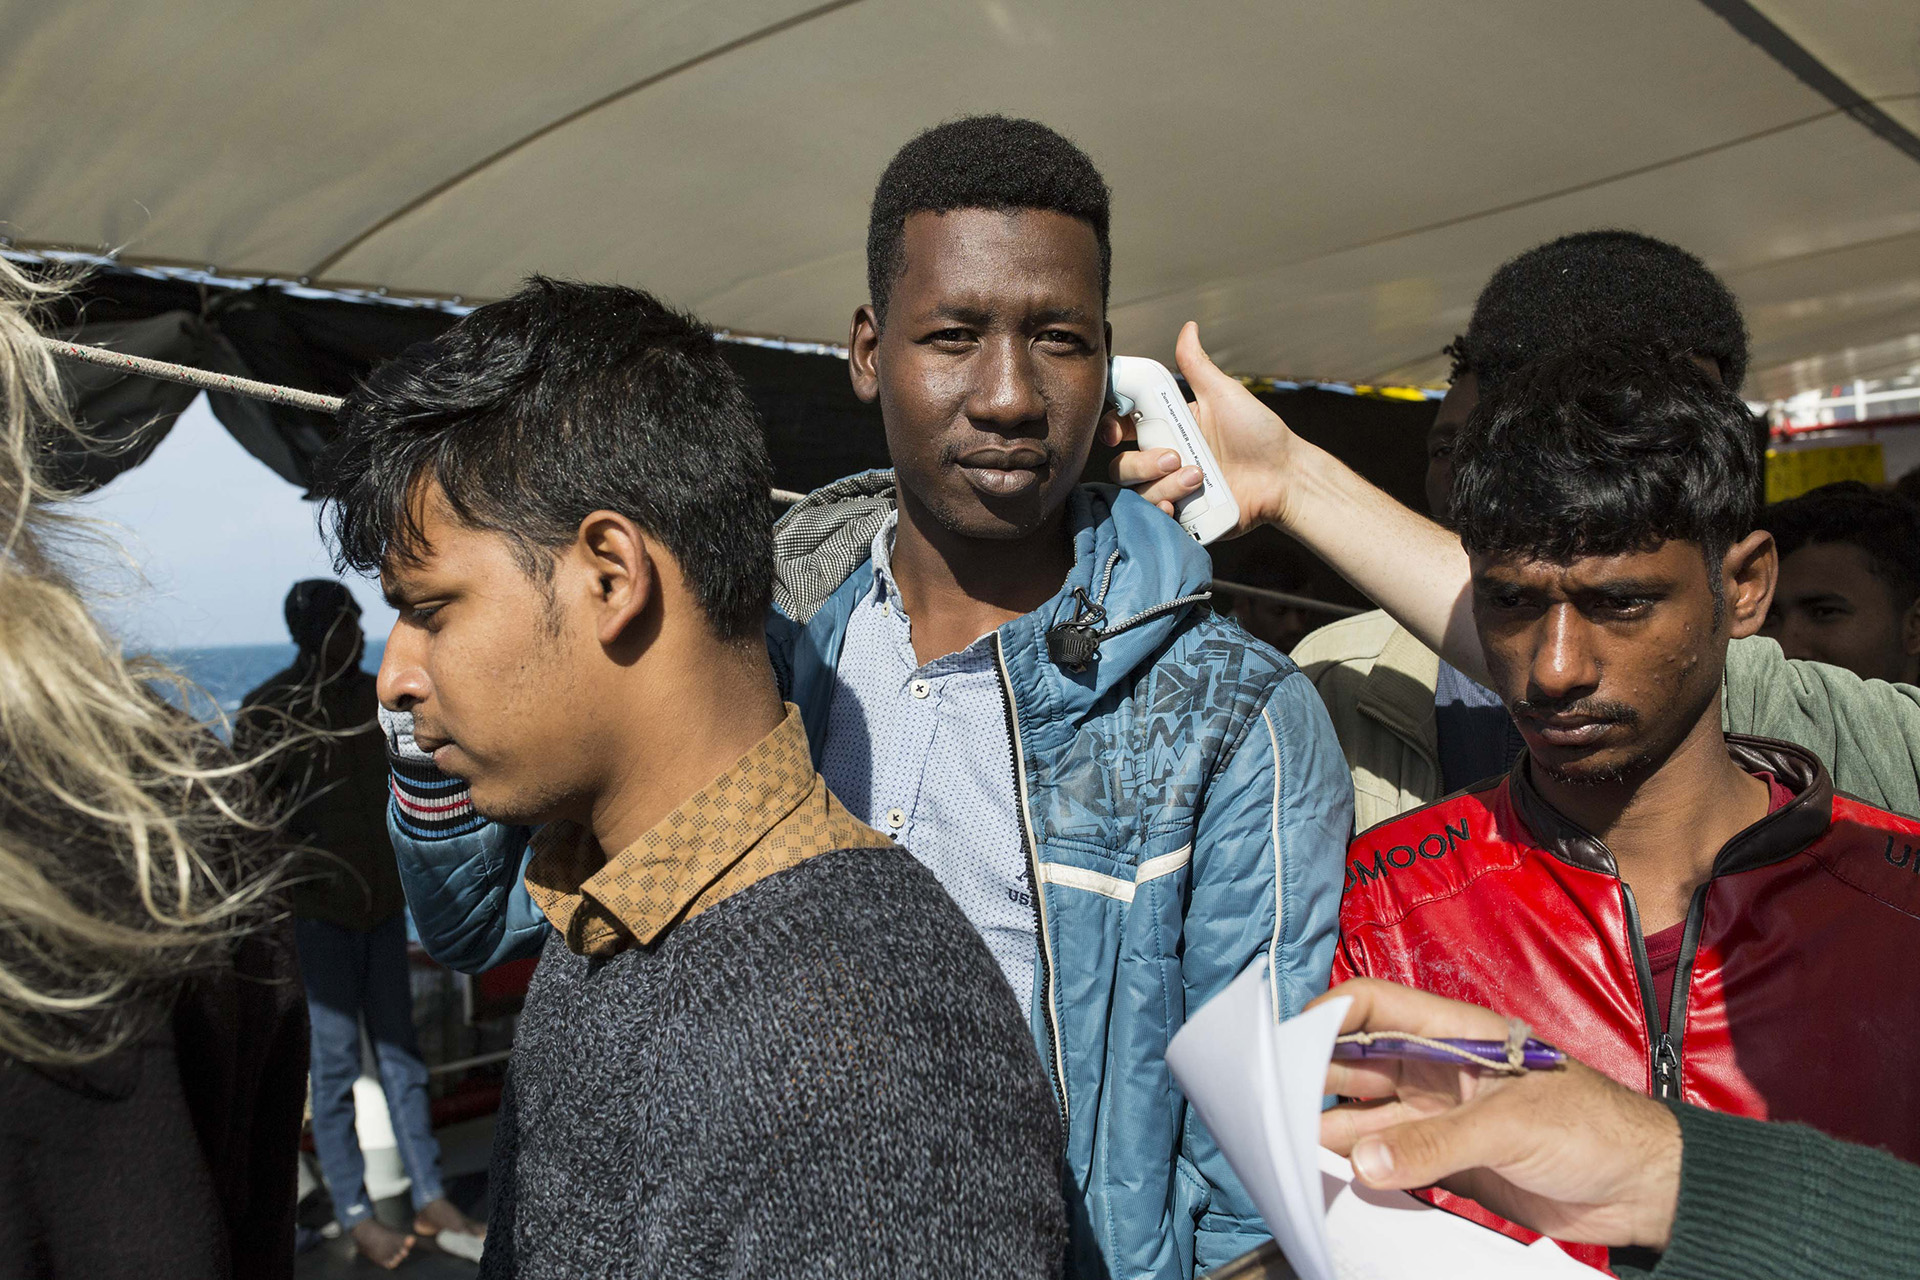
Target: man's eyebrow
x=1627 y=587
x=961 y=313
x=1061 y=315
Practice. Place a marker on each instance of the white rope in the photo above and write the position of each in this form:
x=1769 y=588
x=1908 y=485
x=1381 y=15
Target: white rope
x=189 y=376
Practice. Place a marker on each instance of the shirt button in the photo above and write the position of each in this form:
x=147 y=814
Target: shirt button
x=896 y=818
x=920 y=688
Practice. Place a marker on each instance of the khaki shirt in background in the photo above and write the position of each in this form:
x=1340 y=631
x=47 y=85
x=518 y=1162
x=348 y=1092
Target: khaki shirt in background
x=1378 y=684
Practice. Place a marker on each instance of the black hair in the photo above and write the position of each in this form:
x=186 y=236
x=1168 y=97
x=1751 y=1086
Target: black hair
x=535 y=411
x=981 y=162
x=1908 y=485
x=1885 y=526
x=314 y=606
x=1607 y=288
x=1605 y=451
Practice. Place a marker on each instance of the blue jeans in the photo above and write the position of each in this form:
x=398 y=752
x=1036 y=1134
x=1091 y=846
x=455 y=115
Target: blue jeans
x=350 y=976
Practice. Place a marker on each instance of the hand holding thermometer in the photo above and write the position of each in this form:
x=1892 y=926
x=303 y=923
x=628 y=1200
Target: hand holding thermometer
x=1145 y=387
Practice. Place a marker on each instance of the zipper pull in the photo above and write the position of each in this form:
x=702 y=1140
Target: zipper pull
x=1666 y=1068
x=1075 y=644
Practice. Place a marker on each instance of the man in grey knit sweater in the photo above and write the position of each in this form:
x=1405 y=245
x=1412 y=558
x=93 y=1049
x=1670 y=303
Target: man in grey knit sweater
x=761 y=1040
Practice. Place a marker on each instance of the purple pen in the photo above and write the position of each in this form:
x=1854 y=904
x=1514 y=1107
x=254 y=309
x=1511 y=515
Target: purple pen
x=1494 y=1055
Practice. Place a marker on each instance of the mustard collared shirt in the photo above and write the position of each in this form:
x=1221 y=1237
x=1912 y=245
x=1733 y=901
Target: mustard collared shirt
x=768 y=812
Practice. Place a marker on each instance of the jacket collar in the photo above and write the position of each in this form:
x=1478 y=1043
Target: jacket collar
x=1139 y=566
x=1779 y=835
x=824 y=537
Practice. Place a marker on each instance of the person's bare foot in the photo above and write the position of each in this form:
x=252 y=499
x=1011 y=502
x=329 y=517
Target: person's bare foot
x=380 y=1244
x=441 y=1215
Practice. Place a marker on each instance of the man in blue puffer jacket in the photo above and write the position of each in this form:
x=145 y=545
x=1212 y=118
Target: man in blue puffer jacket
x=1018 y=677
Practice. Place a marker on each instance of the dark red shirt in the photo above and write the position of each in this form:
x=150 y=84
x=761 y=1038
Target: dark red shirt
x=1663 y=948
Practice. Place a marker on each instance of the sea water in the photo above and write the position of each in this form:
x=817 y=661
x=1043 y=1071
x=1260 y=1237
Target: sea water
x=221 y=675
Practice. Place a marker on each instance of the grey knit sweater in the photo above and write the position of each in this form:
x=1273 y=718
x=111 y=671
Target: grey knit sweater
x=823 y=1075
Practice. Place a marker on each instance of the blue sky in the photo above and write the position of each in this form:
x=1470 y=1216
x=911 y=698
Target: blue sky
x=219 y=539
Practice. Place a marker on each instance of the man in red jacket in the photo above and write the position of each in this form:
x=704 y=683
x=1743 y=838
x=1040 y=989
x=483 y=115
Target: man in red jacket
x=1695 y=914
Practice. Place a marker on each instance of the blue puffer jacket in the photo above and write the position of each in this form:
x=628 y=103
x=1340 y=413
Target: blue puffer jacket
x=1186 y=811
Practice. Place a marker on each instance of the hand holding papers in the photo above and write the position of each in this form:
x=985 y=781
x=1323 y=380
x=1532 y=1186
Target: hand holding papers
x=1257 y=1085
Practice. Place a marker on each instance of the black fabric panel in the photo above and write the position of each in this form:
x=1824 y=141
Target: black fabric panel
x=314 y=344
x=1384 y=440
x=126 y=417
x=817 y=430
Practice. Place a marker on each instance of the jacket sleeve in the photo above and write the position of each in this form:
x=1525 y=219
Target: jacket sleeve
x=1867 y=732
x=1269 y=854
x=464 y=877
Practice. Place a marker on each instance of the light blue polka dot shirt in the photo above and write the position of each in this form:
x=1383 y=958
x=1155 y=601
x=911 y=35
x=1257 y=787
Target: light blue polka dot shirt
x=921 y=753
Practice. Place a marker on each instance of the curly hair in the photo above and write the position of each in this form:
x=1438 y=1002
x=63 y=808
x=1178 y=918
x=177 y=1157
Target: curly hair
x=981 y=162
x=1602 y=288
x=133 y=851
x=1605 y=451
x=1885 y=526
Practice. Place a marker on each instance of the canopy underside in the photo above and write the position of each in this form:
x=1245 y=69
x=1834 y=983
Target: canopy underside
x=1324 y=187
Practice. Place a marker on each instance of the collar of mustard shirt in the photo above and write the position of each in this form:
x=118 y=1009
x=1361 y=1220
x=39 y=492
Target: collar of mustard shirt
x=768 y=812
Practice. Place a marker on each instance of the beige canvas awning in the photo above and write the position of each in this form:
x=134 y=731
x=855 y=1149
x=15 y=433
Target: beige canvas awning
x=1323 y=186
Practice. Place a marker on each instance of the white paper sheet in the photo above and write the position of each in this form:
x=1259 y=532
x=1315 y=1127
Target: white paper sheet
x=1257 y=1085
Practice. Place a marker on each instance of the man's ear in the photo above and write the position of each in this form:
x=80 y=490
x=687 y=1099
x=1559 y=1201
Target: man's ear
x=863 y=351
x=624 y=579
x=1749 y=573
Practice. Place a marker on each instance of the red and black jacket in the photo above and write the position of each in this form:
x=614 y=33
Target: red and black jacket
x=1797 y=993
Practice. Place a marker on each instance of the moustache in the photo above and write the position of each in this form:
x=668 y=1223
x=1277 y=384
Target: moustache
x=1606 y=712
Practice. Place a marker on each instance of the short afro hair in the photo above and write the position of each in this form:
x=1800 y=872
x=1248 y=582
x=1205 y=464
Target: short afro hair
x=981 y=162
x=1885 y=526
x=1602 y=288
x=1603 y=451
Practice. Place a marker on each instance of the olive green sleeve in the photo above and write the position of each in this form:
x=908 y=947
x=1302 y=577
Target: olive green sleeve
x=1867 y=732
x=1767 y=1201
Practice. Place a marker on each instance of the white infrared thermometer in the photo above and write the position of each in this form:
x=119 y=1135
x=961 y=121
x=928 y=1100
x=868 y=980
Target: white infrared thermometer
x=1145 y=387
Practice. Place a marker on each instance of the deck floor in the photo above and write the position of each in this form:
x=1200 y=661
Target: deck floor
x=463 y=1163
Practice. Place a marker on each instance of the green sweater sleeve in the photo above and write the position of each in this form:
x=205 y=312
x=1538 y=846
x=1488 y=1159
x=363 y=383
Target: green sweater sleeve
x=1768 y=1201
x=1867 y=732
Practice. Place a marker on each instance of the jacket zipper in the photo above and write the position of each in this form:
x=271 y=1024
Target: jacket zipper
x=1056 y=1063
x=1666 y=1033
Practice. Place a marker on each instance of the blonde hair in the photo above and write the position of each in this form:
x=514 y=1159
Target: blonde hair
x=132 y=850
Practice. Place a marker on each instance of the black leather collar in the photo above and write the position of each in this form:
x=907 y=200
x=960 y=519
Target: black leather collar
x=1781 y=834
